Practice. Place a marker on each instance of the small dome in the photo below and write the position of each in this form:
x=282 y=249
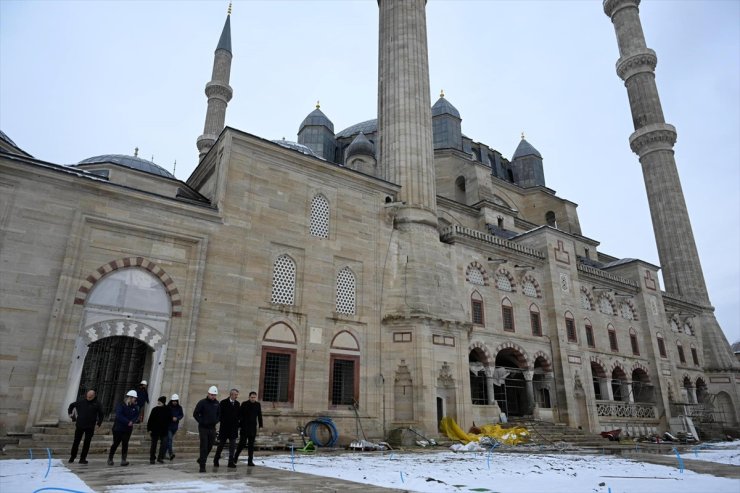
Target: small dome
x=366 y=127
x=360 y=146
x=442 y=107
x=289 y=144
x=132 y=162
x=317 y=118
x=525 y=149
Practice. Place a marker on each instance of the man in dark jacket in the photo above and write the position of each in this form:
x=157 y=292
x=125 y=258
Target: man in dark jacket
x=158 y=425
x=207 y=413
x=229 y=428
x=86 y=413
x=142 y=399
x=250 y=414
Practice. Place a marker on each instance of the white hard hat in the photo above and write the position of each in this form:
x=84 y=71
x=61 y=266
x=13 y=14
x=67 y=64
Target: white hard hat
x=132 y=393
x=213 y=390
x=175 y=397
x=143 y=382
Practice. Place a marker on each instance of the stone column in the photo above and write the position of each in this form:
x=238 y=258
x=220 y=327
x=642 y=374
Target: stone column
x=406 y=154
x=691 y=391
x=627 y=387
x=489 y=385
x=609 y=391
x=653 y=141
x=528 y=376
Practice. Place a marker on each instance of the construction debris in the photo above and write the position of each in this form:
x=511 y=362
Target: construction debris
x=514 y=435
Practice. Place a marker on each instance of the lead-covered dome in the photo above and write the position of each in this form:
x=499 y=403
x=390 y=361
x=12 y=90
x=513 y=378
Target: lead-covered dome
x=317 y=118
x=360 y=146
x=132 y=162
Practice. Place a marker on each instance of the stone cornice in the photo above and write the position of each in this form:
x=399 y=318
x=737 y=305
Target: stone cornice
x=587 y=269
x=454 y=233
x=219 y=90
x=637 y=63
x=653 y=137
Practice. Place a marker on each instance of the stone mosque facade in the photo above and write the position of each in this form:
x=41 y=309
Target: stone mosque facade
x=396 y=269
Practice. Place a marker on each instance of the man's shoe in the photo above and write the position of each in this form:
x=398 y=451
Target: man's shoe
x=232 y=465
x=215 y=462
x=110 y=462
x=202 y=468
x=172 y=456
x=124 y=462
x=71 y=460
x=250 y=463
x=160 y=461
x=151 y=461
x=83 y=461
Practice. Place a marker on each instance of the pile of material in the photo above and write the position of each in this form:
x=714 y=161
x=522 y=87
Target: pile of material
x=514 y=435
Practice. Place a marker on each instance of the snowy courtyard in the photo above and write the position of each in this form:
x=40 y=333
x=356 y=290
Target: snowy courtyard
x=443 y=471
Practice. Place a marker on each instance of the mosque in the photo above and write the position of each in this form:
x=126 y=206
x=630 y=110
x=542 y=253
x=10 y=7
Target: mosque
x=397 y=269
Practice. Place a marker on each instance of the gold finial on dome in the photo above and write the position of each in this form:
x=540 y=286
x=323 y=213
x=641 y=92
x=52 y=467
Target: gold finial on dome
x=318 y=104
x=442 y=93
x=136 y=152
x=522 y=135
x=228 y=12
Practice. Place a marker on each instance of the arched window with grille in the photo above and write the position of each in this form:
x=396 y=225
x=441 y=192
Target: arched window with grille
x=346 y=289
x=283 y=281
x=319 y=224
x=661 y=345
x=507 y=315
x=476 y=308
x=681 y=355
x=535 y=320
x=633 y=342
x=570 y=327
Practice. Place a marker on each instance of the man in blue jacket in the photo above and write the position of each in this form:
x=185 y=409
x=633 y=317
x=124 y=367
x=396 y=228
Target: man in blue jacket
x=207 y=413
x=86 y=412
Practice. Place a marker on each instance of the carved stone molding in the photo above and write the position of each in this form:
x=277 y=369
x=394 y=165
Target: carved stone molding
x=653 y=137
x=611 y=7
x=637 y=63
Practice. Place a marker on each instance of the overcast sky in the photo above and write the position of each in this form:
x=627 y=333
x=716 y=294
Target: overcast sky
x=80 y=79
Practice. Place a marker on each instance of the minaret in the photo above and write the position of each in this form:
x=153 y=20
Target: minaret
x=406 y=154
x=219 y=91
x=653 y=141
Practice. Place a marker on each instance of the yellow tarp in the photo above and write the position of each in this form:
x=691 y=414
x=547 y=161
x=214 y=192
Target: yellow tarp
x=510 y=436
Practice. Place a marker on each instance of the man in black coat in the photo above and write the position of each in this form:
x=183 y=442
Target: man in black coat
x=207 y=413
x=158 y=425
x=86 y=413
x=229 y=427
x=250 y=414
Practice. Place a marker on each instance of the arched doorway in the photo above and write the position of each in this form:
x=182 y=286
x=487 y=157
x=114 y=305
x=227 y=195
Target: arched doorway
x=511 y=395
x=619 y=385
x=123 y=337
x=688 y=391
x=642 y=390
x=113 y=366
x=702 y=394
x=599 y=382
x=477 y=363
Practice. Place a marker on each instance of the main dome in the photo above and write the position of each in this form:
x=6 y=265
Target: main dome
x=132 y=162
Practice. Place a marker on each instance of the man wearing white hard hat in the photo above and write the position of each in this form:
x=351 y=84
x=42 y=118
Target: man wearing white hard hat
x=207 y=413
x=127 y=413
x=177 y=415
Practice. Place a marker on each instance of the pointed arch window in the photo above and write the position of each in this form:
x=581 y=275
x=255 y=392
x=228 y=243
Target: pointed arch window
x=534 y=320
x=589 y=333
x=634 y=343
x=346 y=292
x=283 y=281
x=319 y=223
x=694 y=355
x=681 y=355
x=502 y=282
x=529 y=289
x=507 y=315
x=476 y=308
x=570 y=327
x=474 y=275
x=661 y=345
x=613 y=343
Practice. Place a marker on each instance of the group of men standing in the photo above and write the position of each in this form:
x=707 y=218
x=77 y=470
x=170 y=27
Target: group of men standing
x=235 y=420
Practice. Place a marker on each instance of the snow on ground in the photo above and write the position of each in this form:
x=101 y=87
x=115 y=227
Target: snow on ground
x=720 y=452
x=503 y=472
x=443 y=471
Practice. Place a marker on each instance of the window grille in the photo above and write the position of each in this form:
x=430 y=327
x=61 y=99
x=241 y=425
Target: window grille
x=681 y=356
x=477 y=310
x=343 y=382
x=694 y=356
x=277 y=377
x=346 y=292
x=661 y=347
x=529 y=289
x=613 y=340
x=570 y=328
x=283 y=281
x=503 y=283
x=508 y=316
x=534 y=319
x=475 y=276
x=319 y=225
x=590 y=336
x=635 y=345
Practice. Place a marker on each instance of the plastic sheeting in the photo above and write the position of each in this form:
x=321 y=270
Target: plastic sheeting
x=513 y=435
